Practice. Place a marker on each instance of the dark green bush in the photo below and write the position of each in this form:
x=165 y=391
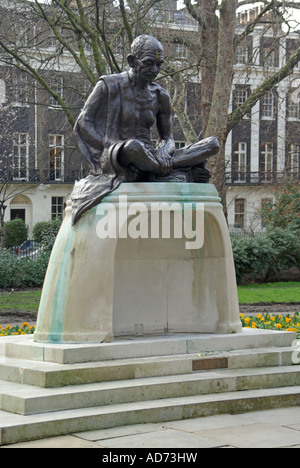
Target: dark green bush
x=16 y=233
x=261 y=257
x=22 y=272
x=38 y=230
x=45 y=230
x=284 y=211
x=26 y=272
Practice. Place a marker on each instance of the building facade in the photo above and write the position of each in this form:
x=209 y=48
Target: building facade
x=263 y=150
x=39 y=162
x=38 y=159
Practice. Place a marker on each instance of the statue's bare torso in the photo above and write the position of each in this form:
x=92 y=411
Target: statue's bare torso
x=113 y=131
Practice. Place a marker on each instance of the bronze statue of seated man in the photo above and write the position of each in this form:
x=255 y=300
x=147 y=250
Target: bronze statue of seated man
x=113 y=132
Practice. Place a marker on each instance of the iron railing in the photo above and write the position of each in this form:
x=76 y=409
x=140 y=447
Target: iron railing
x=46 y=176
x=260 y=177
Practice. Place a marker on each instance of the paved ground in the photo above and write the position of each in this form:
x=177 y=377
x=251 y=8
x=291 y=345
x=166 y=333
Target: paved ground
x=278 y=428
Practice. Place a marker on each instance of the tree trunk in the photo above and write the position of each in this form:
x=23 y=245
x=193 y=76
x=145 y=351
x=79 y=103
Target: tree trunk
x=179 y=107
x=218 y=117
x=209 y=38
x=219 y=176
x=2 y=230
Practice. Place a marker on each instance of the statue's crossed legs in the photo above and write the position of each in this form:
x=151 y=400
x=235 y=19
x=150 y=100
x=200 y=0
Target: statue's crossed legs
x=135 y=155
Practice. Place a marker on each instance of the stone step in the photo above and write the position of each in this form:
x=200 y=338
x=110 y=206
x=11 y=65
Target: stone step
x=23 y=347
x=48 y=390
x=26 y=400
x=17 y=428
x=50 y=374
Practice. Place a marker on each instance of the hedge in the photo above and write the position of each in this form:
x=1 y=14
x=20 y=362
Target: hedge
x=261 y=257
x=16 y=233
x=256 y=259
x=26 y=272
x=22 y=272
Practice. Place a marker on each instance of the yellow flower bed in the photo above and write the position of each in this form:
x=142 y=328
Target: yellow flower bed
x=273 y=322
x=265 y=321
x=24 y=329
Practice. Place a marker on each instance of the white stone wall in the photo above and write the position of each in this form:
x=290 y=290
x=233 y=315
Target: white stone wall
x=253 y=196
x=39 y=201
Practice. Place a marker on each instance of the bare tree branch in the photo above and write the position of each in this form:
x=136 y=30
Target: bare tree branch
x=250 y=27
x=126 y=21
x=39 y=78
x=256 y=95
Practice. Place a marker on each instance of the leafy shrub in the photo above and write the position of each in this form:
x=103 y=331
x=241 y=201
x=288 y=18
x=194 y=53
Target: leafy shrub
x=22 y=272
x=29 y=272
x=263 y=256
x=45 y=232
x=284 y=212
x=16 y=233
x=38 y=230
x=286 y=244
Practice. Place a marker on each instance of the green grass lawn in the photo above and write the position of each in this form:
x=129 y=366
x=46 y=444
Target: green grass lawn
x=28 y=300
x=20 y=301
x=273 y=292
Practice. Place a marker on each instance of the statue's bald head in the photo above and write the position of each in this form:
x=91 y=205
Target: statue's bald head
x=145 y=59
x=145 y=42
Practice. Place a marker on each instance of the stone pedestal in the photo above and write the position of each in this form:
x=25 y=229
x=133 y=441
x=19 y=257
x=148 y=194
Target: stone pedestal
x=152 y=258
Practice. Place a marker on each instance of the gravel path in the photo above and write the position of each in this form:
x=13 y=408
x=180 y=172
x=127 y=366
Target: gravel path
x=254 y=309
x=17 y=318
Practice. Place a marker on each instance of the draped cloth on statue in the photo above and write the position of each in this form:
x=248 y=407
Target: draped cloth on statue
x=107 y=122
x=103 y=115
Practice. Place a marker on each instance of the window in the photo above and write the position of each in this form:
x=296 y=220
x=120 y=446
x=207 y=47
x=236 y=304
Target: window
x=242 y=55
x=179 y=144
x=2 y=93
x=57 y=85
x=241 y=95
x=56 y=146
x=293 y=160
x=180 y=51
x=20 y=89
x=18 y=207
x=290 y=54
x=158 y=14
x=179 y=17
x=20 y=156
x=266 y=161
x=293 y=103
x=20 y=200
x=268 y=58
x=57 y=207
x=18 y=213
x=52 y=41
x=240 y=162
x=268 y=104
x=239 y=213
